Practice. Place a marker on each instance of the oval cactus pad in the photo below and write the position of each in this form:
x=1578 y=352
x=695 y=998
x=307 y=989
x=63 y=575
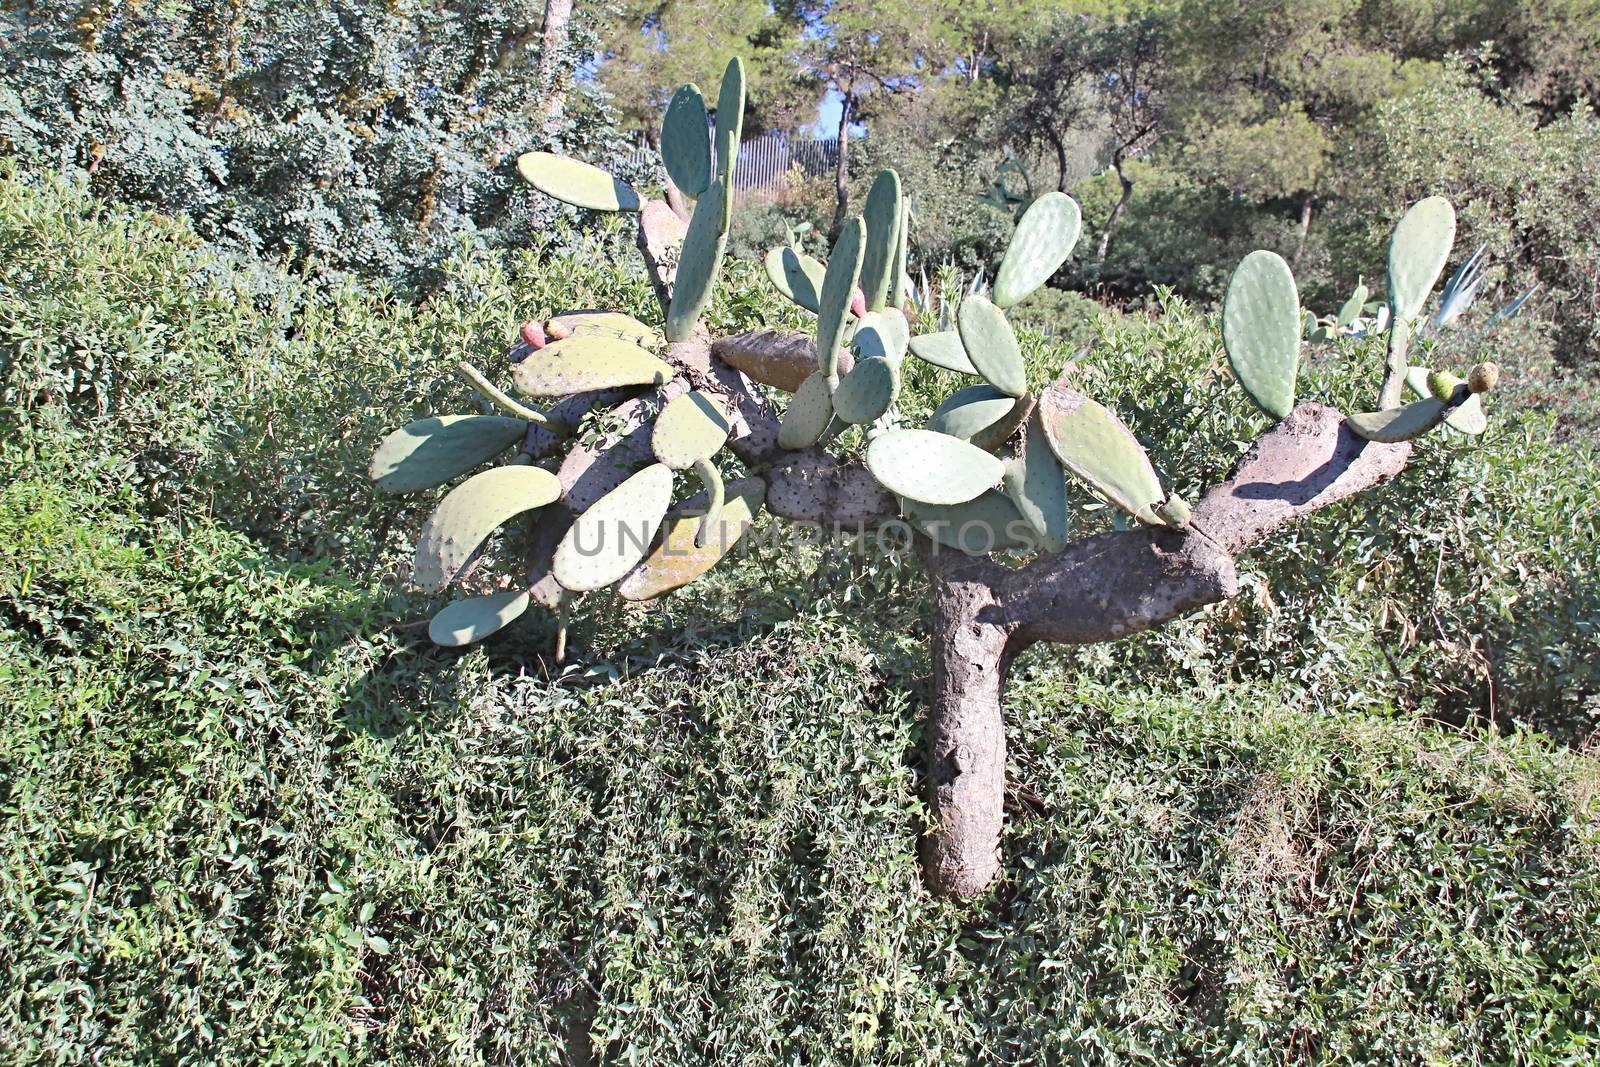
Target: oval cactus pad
x=677 y=561
x=796 y=275
x=1044 y=239
x=867 y=392
x=1092 y=443
x=1417 y=254
x=477 y=617
x=583 y=362
x=609 y=539
x=690 y=428
x=698 y=263
x=1037 y=485
x=576 y=183
x=432 y=451
x=686 y=141
x=990 y=523
x=471 y=512
x=1261 y=331
x=943 y=350
x=838 y=284
x=931 y=468
x=991 y=345
x=810 y=411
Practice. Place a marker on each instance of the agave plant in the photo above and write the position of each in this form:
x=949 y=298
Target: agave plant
x=989 y=484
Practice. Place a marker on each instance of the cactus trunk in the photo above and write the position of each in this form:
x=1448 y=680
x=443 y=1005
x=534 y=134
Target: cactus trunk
x=966 y=754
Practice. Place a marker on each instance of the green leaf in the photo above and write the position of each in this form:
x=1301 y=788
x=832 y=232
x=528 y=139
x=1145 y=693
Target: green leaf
x=576 y=183
x=838 y=285
x=809 y=413
x=617 y=531
x=477 y=617
x=1043 y=240
x=943 y=350
x=686 y=141
x=991 y=345
x=471 y=512
x=692 y=427
x=1417 y=254
x=931 y=468
x=867 y=391
x=430 y=452
x=1092 y=443
x=1261 y=329
x=588 y=361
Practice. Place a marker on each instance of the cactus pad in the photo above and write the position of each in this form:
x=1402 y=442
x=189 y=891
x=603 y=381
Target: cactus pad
x=867 y=391
x=686 y=142
x=990 y=523
x=1092 y=443
x=1261 y=331
x=882 y=335
x=1393 y=425
x=730 y=127
x=810 y=411
x=968 y=412
x=471 y=512
x=1467 y=418
x=576 y=183
x=601 y=323
x=1043 y=240
x=477 y=617
x=1037 y=485
x=587 y=361
x=698 y=263
x=615 y=533
x=430 y=452
x=991 y=345
x=796 y=275
x=690 y=428
x=838 y=284
x=677 y=561
x=1417 y=254
x=931 y=468
x=943 y=350
x=882 y=215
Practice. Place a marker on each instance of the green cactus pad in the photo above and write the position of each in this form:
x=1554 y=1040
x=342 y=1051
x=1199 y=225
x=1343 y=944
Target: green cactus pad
x=588 y=361
x=991 y=345
x=902 y=280
x=990 y=523
x=1037 y=485
x=967 y=412
x=1261 y=331
x=1417 y=254
x=576 y=183
x=1352 y=307
x=477 y=617
x=1393 y=425
x=617 y=531
x=1092 y=443
x=685 y=142
x=601 y=323
x=730 y=124
x=943 y=350
x=698 y=263
x=472 y=511
x=690 y=428
x=810 y=411
x=931 y=468
x=867 y=391
x=838 y=284
x=430 y=452
x=1043 y=240
x=677 y=560
x=882 y=335
x=882 y=215
x=1466 y=418
x=1174 y=511
x=796 y=275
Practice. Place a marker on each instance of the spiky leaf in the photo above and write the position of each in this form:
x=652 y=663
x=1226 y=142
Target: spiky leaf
x=968 y=412
x=931 y=468
x=1037 y=485
x=588 y=361
x=433 y=451
x=690 y=428
x=1393 y=425
x=882 y=216
x=991 y=345
x=990 y=523
x=796 y=275
x=609 y=539
x=809 y=413
x=601 y=323
x=1092 y=443
x=698 y=263
x=943 y=350
x=1417 y=254
x=1043 y=240
x=677 y=560
x=477 y=617
x=838 y=283
x=867 y=391
x=471 y=512
x=1261 y=331
x=576 y=183
x=686 y=141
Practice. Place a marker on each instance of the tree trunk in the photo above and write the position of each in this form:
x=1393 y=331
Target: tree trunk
x=1061 y=159
x=966 y=736
x=557 y=14
x=1116 y=214
x=1305 y=229
x=841 y=191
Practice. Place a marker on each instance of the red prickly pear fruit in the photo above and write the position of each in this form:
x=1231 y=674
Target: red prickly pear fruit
x=533 y=334
x=858 y=302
